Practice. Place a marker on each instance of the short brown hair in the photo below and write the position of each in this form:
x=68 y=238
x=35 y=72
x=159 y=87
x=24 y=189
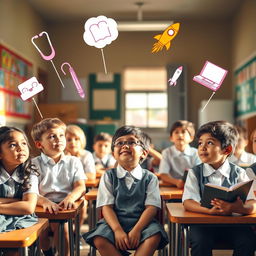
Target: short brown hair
x=102 y=136
x=44 y=125
x=242 y=131
x=189 y=126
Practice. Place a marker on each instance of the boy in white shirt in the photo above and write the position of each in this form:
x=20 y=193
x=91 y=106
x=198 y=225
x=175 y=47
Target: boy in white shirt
x=62 y=178
x=216 y=141
x=180 y=156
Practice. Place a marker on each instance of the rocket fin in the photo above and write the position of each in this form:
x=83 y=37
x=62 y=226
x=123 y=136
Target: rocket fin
x=157 y=37
x=168 y=45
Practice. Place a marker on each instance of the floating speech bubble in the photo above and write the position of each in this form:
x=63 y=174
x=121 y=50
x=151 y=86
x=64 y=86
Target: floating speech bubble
x=100 y=31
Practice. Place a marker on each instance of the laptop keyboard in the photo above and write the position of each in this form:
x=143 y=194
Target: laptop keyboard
x=205 y=82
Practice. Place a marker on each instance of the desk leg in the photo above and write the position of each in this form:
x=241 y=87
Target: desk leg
x=77 y=230
x=24 y=251
x=90 y=203
x=61 y=238
x=172 y=234
x=71 y=237
x=185 y=241
x=178 y=248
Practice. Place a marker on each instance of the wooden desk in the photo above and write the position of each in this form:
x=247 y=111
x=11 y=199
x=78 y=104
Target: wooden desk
x=92 y=183
x=23 y=238
x=169 y=193
x=62 y=217
x=179 y=218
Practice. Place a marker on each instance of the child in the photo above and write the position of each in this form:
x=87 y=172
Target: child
x=129 y=197
x=62 y=178
x=253 y=140
x=18 y=183
x=240 y=156
x=76 y=142
x=180 y=156
x=102 y=152
x=216 y=141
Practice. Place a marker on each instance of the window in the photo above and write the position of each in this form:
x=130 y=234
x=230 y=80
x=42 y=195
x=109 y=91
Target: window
x=146 y=97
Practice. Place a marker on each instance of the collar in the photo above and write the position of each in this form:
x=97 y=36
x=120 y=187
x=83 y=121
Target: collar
x=224 y=169
x=48 y=160
x=5 y=176
x=244 y=157
x=187 y=151
x=136 y=172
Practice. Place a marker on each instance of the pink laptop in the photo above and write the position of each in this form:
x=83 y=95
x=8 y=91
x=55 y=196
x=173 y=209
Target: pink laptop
x=211 y=76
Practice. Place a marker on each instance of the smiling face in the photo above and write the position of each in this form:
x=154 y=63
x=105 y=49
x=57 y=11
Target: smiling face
x=74 y=144
x=181 y=138
x=53 y=142
x=129 y=153
x=14 y=151
x=210 y=152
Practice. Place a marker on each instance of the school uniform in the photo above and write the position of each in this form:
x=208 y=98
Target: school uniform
x=56 y=180
x=245 y=158
x=87 y=160
x=251 y=173
x=175 y=162
x=203 y=238
x=129 y=193
x=107 y=161
x=11 y=187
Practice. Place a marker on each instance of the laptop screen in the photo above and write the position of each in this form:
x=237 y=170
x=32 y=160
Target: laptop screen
x=213 y=72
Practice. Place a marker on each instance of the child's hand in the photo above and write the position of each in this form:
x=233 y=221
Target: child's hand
x=122 y=241
x=134 y=238
x=180 y=184
x=67 y=203
x=223 y=207
x=51 y=207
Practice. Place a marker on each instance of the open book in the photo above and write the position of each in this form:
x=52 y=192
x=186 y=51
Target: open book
x=230 y=194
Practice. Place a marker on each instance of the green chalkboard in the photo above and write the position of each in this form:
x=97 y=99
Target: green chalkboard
x=105 y=98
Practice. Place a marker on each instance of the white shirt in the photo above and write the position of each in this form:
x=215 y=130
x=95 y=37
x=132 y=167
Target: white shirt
x=87 y=162
x=174 y=162
x=5 y=178
x=245 y=158
x=105 y=194
x=56 y=180
x=108 y=160
x=192 y=191
x=250 y=173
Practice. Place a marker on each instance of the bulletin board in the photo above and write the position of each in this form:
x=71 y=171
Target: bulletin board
x=105 y=96
x=14 y=70
x=245 y=89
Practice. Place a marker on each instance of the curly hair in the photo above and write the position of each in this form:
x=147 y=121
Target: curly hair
x=25 y=169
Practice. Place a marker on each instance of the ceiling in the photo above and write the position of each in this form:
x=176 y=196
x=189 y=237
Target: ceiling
x=66 y=10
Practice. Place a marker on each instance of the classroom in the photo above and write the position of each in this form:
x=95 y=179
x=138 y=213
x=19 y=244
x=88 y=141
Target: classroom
x=130 y=75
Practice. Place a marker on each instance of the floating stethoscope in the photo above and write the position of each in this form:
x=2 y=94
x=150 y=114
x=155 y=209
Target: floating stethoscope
x=75 y=79
x=49 y=57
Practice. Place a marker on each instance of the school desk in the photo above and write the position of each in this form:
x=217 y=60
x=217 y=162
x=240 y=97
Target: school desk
x=62 y=217
x=180 y=220
x=23 y=238
x=92 y=183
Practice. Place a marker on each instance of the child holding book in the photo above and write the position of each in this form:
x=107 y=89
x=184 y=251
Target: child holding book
x=216 y=141
x=180 y=156
x=61 y=180
x=129 y=197
x=18 y=183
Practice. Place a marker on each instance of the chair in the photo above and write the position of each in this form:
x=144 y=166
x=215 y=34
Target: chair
x=159 y=216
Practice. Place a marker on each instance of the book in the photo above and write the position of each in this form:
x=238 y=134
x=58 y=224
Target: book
x=230 y=194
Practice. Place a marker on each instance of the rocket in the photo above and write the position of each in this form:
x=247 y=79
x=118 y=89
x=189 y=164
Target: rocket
x=176 y=75
x=166 y=38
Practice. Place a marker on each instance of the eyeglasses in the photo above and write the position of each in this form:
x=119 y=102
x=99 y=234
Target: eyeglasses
x=130 y=143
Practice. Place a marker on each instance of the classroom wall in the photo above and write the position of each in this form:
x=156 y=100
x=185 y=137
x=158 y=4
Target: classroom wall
x=196 y=42
x=244 y=33
x=18 y=23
